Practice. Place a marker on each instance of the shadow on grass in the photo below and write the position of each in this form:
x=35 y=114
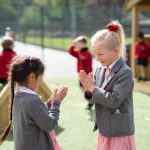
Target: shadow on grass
x=58 y=130
x=91 y=114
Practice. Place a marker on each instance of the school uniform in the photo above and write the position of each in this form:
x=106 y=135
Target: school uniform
x=5 y=59
x=142 y=53
x=84 y=59
x=84 y=62
x=33 y=121
x=113 y=98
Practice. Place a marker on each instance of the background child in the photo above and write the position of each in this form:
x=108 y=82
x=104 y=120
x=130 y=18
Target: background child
x=142 y=53
x=6 y=57
x=9 y=32
x=33 y=120
x=80 y=50
x=111 y=90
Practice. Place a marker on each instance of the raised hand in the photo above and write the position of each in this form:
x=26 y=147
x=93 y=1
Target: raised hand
x=86 y=80
x=59 y=93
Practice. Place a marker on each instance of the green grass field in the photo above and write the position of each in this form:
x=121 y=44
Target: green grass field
x=75 y=124
x=58 y=42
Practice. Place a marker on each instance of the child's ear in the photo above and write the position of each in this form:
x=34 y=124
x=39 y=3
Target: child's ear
x=116 y=50
x=32 y=77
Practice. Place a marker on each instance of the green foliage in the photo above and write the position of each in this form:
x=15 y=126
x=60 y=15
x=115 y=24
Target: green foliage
x=42 y=3
x=32 y=17
x=8 y=12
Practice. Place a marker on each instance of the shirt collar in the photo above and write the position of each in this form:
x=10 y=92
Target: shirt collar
x=20 y=89
x=111 y=65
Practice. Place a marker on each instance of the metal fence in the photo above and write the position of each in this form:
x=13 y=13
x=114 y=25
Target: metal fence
x=70 y=21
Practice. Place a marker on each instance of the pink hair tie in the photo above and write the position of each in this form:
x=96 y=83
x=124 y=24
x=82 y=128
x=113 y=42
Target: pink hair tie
x=112 y=27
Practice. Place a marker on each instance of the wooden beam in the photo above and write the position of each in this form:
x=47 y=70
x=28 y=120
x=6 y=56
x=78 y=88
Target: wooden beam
x=44 y=91
x=5 y=93
x=5 y=100
x=134 y=27
x=131 y=3
x=144 y=8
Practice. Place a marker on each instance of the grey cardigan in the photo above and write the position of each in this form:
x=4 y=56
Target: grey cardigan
x=113 y=101
x=33 y=122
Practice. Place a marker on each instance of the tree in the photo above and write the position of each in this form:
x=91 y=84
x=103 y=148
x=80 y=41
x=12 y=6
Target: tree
x=8 y=12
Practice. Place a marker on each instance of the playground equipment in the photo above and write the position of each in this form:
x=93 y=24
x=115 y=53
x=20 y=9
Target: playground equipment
x=147 y=38
x=5 y=96
x=136 y=7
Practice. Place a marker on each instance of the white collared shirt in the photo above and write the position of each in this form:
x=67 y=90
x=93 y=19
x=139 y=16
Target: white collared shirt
x=111 y=65
x=20 y=89
x=109 y=68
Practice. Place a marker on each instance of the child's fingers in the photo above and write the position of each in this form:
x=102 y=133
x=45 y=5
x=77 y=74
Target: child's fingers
x=55 y=91
x=90 y=75
x=63 y=90
x=62 y=87
x=83 y=76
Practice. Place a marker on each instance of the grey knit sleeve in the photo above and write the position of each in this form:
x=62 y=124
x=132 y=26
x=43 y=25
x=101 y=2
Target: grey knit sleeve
x=45 y=119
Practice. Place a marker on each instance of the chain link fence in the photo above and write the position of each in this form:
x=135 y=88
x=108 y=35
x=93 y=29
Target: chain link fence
x=34 y=22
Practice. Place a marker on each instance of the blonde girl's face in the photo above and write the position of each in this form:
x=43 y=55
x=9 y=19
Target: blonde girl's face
x=34 y=82
x=104 y=55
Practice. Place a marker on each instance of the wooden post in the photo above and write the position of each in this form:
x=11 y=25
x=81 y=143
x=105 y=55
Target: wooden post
x=134 y=27
x=5 y=96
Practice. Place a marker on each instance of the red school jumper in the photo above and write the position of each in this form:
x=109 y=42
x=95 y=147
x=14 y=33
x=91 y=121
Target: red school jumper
x=5 y=59
x=142 y=50
x=84 y=59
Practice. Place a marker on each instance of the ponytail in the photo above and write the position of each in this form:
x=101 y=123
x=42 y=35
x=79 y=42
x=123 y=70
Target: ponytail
x=113 y=36
x=6 y=132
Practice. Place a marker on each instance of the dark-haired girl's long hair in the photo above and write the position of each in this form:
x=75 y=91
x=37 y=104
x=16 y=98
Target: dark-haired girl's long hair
x=19 y=70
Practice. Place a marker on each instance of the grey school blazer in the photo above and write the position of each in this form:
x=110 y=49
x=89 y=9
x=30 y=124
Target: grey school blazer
x=33 y=122
x=113 y=101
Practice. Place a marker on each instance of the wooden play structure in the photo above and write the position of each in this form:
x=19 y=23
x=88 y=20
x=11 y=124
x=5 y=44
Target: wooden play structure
x=5 y=95
x=136 y=7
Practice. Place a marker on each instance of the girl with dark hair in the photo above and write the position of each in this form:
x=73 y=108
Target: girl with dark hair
x=32 y=119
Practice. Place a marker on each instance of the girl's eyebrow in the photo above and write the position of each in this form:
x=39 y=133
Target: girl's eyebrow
x=100 y=53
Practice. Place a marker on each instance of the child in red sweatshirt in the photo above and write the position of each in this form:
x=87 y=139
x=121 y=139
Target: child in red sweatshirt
x=80 y=50
x=5 y=58
x=142 y=53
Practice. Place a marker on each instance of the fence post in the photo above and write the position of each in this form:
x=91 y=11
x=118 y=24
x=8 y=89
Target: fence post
x=73 y=18
x=42 y=30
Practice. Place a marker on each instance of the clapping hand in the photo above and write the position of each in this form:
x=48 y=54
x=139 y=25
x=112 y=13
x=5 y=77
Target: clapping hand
x=86 y=80
x=59 y=93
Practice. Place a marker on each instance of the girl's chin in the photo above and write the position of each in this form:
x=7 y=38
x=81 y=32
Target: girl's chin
x=103 y=64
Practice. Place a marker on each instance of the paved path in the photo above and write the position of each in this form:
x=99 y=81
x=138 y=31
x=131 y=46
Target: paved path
x=58 y=63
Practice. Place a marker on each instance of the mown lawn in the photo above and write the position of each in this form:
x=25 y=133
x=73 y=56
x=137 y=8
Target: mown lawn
x=75 y=125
